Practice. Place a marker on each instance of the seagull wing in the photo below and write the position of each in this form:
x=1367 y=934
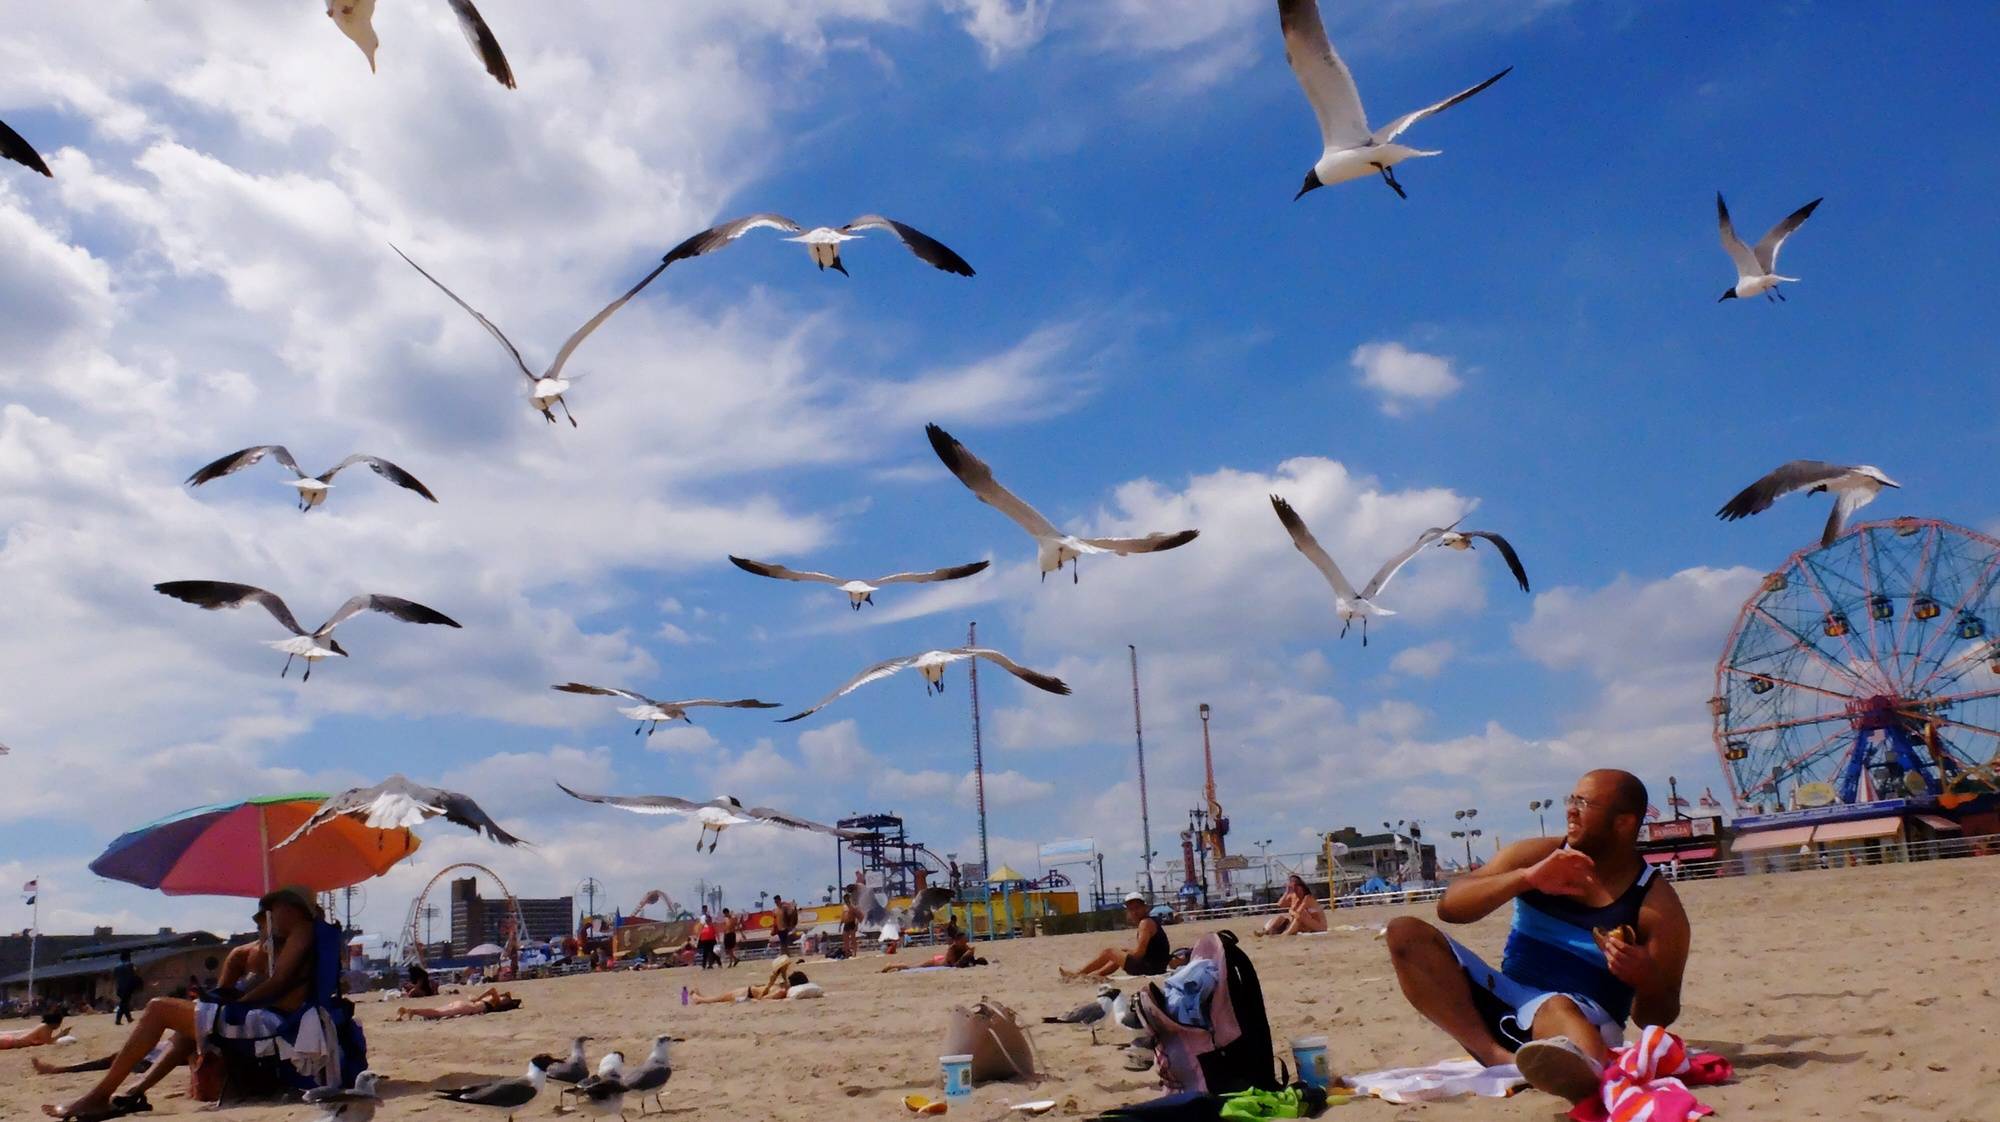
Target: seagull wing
x=953 y=572
x=928 y=249
x=1787 y=478
x=1328 y=85
x=383 y=468
x=874 y=673
x=506 y=1094
x=927 y=904
x=474 y=313
x=717 y=236
x=483 y=42
x=1844 y=504
x=973 y=472
x=397 y=803
x=237 y=461
x=409 y=611
x=1151 y=543
x=640 y=804
x=1309 y=545
x=713 y=703
x=1774 y=239
x=20 y=151
x=780 y=818
x=216 y=595
x=1034 y=678
x=604 y=691
x=570 y=344
x=1747 y=264
x=779 y=572
x=1507 y=554
x=1395 y=128
x=1389 y=567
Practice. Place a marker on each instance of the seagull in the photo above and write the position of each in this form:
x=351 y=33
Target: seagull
x=874 y=912
x=1853 y=488
x=547 y=390
x=652 y=713
x=356 y=1105
x=575 y=1069
x=1052 y=546
x=1351 y=150
x=1354 y=605
x=859 y=592
x=717 y=814
x=1125 y=1012
x=21 y=152
x=312 y=488
x=1757 y=269
x=1090 y=1014
x=4 y=749
x=309 y=645
x=356 y=20
x=508 y=1095
x=604 y=1092
x=823 y=242
x=652 y=1075
x=931 y=664
x=398 y=803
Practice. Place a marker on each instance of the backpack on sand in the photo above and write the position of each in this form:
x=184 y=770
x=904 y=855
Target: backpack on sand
x=1233 y=1052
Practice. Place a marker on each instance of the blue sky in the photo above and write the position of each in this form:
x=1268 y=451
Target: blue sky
x=1158 y=336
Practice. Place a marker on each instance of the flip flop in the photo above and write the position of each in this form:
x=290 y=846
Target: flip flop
x=133 y=1103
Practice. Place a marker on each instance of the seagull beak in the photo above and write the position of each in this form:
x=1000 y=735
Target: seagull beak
x=1312 y=183
x=1727 y=294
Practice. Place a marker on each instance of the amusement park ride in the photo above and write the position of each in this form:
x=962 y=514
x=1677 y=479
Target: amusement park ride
x=411 y=947
x=1865 y=669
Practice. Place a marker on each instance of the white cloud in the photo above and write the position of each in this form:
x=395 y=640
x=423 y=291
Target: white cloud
x=1004 y=27
x=1426 y=660
x=1403 y=379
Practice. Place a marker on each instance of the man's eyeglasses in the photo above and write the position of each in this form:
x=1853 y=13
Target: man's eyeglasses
x=1578 y=802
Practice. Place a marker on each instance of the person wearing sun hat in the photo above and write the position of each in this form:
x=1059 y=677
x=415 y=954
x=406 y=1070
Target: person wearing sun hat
x=1147 y=957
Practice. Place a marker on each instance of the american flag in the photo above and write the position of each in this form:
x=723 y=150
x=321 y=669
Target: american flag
x=1652 y=811
x=1678 y=803
x=29 y=890
x=1709 y=800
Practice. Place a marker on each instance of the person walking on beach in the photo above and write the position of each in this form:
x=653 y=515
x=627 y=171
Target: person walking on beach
x=125 y=983
x=730 y=924
x=850 y=927
x=1596 y=938
x=786 y=922
x=704 y=947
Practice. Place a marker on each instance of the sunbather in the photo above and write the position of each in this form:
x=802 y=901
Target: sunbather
x=41 y=1034
x=492 y=1001
x=957 y=953
x=1148 y=954
x=1302 y=911
x=775 y=988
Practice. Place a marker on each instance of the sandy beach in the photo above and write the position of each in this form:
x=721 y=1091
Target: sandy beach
x=1855 y=994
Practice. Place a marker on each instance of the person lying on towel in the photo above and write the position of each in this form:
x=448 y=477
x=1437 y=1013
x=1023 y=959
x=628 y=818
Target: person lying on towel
x=1597 y=939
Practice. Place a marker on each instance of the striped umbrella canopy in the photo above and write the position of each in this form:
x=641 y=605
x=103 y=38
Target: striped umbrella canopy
x=226 y=850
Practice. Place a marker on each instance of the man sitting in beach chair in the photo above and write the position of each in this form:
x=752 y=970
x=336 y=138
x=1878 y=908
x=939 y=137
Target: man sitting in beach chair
x=1596 y=938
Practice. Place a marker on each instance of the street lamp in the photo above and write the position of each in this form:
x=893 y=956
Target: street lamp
x=1264 y=860
x=1539 y=806
x=1468 y=835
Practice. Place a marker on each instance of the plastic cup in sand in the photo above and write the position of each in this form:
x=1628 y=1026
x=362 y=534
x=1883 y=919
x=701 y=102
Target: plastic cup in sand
x=1309 y=1056
x=957 y=1075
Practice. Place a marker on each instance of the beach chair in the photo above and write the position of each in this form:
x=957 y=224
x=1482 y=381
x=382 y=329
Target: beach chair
x=317 y=1045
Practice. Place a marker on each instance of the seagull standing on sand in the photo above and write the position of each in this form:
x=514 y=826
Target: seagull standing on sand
x=1757 y=268
x=1052 y=546
x=1090 y=1014
x=822 y=242
x=356 y=20
x=341 y=1105
x=312 y=488
x=1351 y=150
x=931 y=665
x=652 y=1076
x=1852 y=488
x=397 y=803
x=546 y=391
x=652 y=713
x=1360 y=605
x=503 y=1095
x=717 y=814
x=604 y=1092
x=13 y=147
x=859 y=592
x=575 y=1069
x=314 y=645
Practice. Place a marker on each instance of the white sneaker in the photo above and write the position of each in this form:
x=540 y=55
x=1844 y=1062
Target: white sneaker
x=1558 y=1066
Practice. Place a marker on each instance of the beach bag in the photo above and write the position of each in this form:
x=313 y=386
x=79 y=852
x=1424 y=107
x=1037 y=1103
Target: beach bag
x=1232 y=1052
x=993 y=1036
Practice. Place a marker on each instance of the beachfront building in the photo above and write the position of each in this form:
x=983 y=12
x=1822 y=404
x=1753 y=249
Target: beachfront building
x=1390 y=857
x=75 y=970
x=476 y=920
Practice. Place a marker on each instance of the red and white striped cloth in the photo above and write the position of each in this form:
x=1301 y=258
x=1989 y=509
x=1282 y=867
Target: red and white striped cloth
x=1647 y=1081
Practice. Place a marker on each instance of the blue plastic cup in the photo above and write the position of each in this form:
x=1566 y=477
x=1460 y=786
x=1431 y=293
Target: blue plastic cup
x=1309 y=1057
x=957 y=1076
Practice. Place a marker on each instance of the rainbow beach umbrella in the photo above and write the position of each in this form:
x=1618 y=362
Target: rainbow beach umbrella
x=226 y=850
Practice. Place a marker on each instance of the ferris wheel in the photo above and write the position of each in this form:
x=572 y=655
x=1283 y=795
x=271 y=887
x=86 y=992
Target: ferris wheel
x=1868 y=668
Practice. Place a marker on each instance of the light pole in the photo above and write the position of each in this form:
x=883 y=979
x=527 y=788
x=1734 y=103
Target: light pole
x=1264 y=859
x=588 y=888
x=1674 y=797
x=430 y=913
x=1139 y=740
x=1468 y=835
x=1539 y=806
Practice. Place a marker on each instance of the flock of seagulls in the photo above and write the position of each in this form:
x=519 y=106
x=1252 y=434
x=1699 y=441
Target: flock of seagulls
x=601 y=1092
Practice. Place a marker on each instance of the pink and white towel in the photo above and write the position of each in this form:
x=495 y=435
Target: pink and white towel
x=1647 y=1081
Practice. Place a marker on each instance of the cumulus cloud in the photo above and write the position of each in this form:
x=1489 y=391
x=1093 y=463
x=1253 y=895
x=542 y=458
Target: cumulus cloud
x=1404 y=380
x=1425 y=660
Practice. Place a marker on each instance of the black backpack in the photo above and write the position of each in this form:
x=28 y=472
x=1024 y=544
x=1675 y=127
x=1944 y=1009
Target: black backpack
x=1233 y=1053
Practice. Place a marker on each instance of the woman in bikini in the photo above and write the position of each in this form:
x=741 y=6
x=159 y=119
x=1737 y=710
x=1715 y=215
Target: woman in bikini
x=780 y=982
x=492 y=1001
x=41 y=1034
x=1302 y=911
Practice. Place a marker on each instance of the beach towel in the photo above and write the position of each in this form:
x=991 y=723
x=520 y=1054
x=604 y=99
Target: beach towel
x=1648 y=1082
x=1445 y=1080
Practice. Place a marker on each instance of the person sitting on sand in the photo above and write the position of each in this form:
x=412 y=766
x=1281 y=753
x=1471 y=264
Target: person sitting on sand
x=44 y=1033
x=492 y=1001
x=419 y=983
x=957 y=953
x=1148 y=955
x=1597 y=937
x=1301 y=911
x=776 y=986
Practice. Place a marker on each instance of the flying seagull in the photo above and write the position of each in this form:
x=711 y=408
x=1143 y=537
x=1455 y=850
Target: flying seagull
x=717 y=814
x=1052 y=546
x=823 y=242
x=574 y=1069
x=503 y=1095
x=1091 y=1013
x=356 y=1105
x=874 y=909
x=356 y=20
x=309 y=645
x=547 y=390
x=21 y=152
x=1757 y=269
x=653 y=713
x=312 y=488
x=931 y=664
x=1448 y=537
x=1852 y=487
x=1351 y=150
x=859 y=592
x=1360 y=605
x=396 y=802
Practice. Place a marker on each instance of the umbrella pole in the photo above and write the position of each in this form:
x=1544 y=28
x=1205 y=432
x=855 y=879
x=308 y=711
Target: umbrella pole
x=264 y=845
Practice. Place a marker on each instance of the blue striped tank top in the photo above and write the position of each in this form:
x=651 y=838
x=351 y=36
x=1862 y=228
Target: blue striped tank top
x=1551 y=948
